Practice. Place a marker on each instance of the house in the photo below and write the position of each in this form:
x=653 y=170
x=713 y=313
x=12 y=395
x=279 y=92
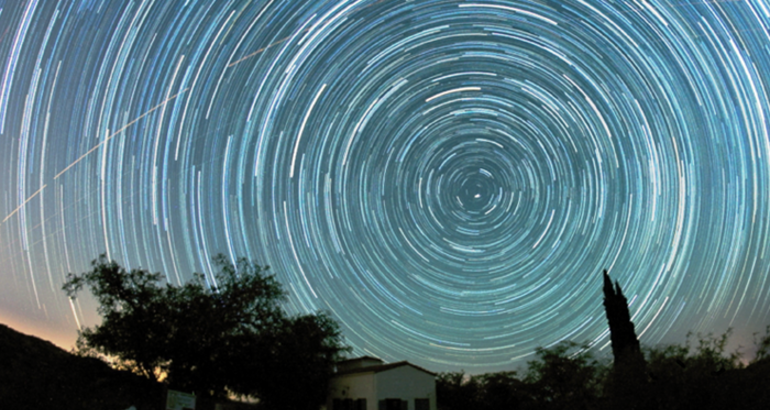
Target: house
x=366 y=383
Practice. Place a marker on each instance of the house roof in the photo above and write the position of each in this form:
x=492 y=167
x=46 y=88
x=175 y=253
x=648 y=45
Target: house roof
x=361 y=358
x=381 y=368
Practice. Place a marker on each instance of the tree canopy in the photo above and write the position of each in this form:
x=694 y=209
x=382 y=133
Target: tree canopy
x=564 y=376
x=699 y=375
x=227 y=336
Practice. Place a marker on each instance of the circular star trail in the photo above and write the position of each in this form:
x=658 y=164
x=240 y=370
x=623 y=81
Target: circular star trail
x=447 y=178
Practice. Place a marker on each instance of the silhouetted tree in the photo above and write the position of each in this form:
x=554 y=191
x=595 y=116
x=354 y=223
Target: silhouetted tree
x=625 y=345
x=683 y=377
x=565 y=376
x=763 y=346
x=502 y=390
x=291 y=368
x=232 y=336
x=697 y=375
x=456 y=391
x=489 y=391
x=626 y=384
x=674 y=377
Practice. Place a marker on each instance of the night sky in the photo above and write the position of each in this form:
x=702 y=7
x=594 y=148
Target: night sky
x=447 y=178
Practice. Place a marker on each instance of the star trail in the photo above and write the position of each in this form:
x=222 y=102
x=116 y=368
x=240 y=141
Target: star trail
x=447 y=178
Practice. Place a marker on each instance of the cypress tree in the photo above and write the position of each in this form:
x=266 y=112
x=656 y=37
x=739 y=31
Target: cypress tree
x=628 y=385
x=625 y=345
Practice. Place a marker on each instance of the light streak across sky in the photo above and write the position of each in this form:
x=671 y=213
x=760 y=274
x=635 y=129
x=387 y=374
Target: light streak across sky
x=447 y=178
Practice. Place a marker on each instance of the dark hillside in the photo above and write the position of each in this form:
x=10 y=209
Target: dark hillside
x=35 y=374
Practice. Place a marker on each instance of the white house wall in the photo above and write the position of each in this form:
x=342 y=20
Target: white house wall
x=354 y=386
x=405 y=383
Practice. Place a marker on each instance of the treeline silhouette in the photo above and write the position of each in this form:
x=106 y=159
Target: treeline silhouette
x=238 y=337
x=698 y=374
x=215 y=338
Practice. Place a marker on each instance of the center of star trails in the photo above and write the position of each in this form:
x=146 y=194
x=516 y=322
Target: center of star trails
x=477 y=194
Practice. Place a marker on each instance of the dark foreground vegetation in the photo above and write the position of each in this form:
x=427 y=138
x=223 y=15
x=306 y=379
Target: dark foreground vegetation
x=694 y=376
x=567 y=376
x=215 y=337
x=37 y=375
x=227 y=336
